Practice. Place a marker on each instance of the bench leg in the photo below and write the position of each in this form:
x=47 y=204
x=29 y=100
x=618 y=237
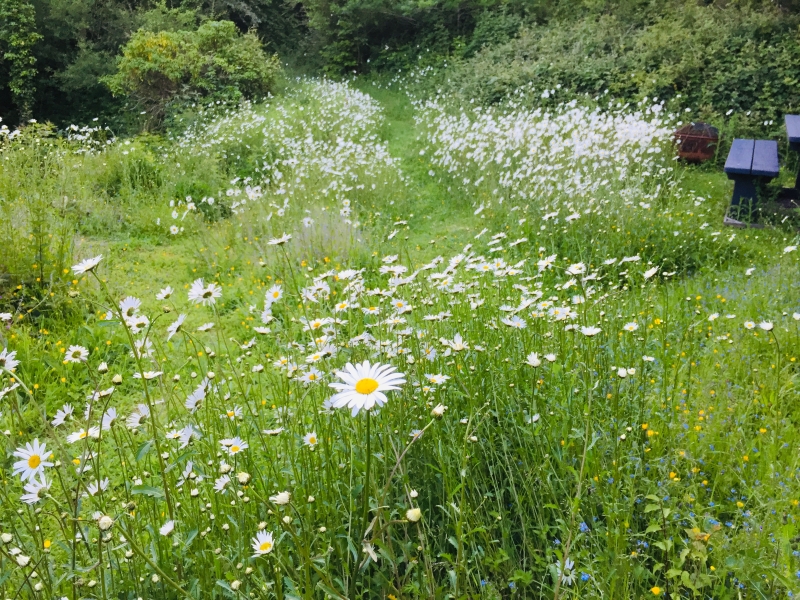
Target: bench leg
x=745 y=197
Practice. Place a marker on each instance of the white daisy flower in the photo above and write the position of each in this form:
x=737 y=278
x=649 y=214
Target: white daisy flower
x=85 y=266
x=167 y=528
x=364 y=385
x=263 y=543
x=33 y=460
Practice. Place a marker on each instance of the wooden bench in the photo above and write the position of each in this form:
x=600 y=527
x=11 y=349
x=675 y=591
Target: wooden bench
x=750 y=163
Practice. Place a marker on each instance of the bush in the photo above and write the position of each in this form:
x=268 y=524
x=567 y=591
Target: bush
x=710 y=59
x=215 y=61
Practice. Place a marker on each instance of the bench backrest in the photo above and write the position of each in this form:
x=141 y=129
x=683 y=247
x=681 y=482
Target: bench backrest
x=793 y=128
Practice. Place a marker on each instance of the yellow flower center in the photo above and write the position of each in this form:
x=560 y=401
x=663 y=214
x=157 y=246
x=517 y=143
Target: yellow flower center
x=265 y=546
x=83 y=434
x=276 y=295
x=312 y=440
x=366 y=386
x=34 y=461
x=231 y=414
x=235 y=449
x=312 y=377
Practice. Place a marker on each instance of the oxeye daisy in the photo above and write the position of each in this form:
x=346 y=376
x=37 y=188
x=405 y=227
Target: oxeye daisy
x=204 y=294
x=129 y=306
x=83 y=434
x=8 y=360
x=363 y=385
x=262 y=543
x=33 y=460
x=274 y=294
x=85 y=266
x=281 y=240
x=310 y=439
x=533 y=360
x=76 y=354
x=167 y=528
x=175 y=327
x=632 y=326
x=235 y=445
x=515 y=322
x=232 y=413
x=35 y=489
x=590 y=331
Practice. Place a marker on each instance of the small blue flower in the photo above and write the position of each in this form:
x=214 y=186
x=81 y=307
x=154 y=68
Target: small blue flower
x=585 y=577
x=583 y=527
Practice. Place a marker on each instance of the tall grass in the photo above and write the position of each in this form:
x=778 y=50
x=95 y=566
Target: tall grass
x=579 y=417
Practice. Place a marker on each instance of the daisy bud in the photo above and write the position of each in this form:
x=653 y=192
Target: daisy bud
x=311 y=499
x=6 y=537
x=117 y=379
x=287 y=519
x=155 y=578
x=323 y=529
x=105 y=522
x=211 y=374
x=235 y=584
x=102 y=367
x=622 y=373
x=176 y=378
x=413 y=493
x=438 y=411
x=248 y=570
x=166 y=309
x=243 y=477
x=23 y=560
x=413 y=514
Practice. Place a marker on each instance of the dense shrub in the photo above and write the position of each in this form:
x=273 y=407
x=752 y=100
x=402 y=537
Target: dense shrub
x=215 y=61
x=712 y=60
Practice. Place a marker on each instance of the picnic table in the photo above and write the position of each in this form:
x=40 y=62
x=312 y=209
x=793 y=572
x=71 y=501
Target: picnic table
x=750 y=164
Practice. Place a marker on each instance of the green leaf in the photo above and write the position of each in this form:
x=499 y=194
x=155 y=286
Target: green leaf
x=651 y=508
x=148 y=490
x=143 y=450
x=672 y=573
x=652 y=528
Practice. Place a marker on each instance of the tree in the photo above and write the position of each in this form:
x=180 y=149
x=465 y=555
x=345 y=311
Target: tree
x=17 y=37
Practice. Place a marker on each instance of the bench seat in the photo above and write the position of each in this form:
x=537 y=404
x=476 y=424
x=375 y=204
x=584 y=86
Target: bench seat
x=755 y=158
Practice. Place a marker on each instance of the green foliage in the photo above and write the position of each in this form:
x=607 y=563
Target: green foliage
x=215 y=61
x=17 y=38
x=710 y=59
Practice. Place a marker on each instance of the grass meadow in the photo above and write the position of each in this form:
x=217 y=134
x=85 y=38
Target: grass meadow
x=358 y=342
